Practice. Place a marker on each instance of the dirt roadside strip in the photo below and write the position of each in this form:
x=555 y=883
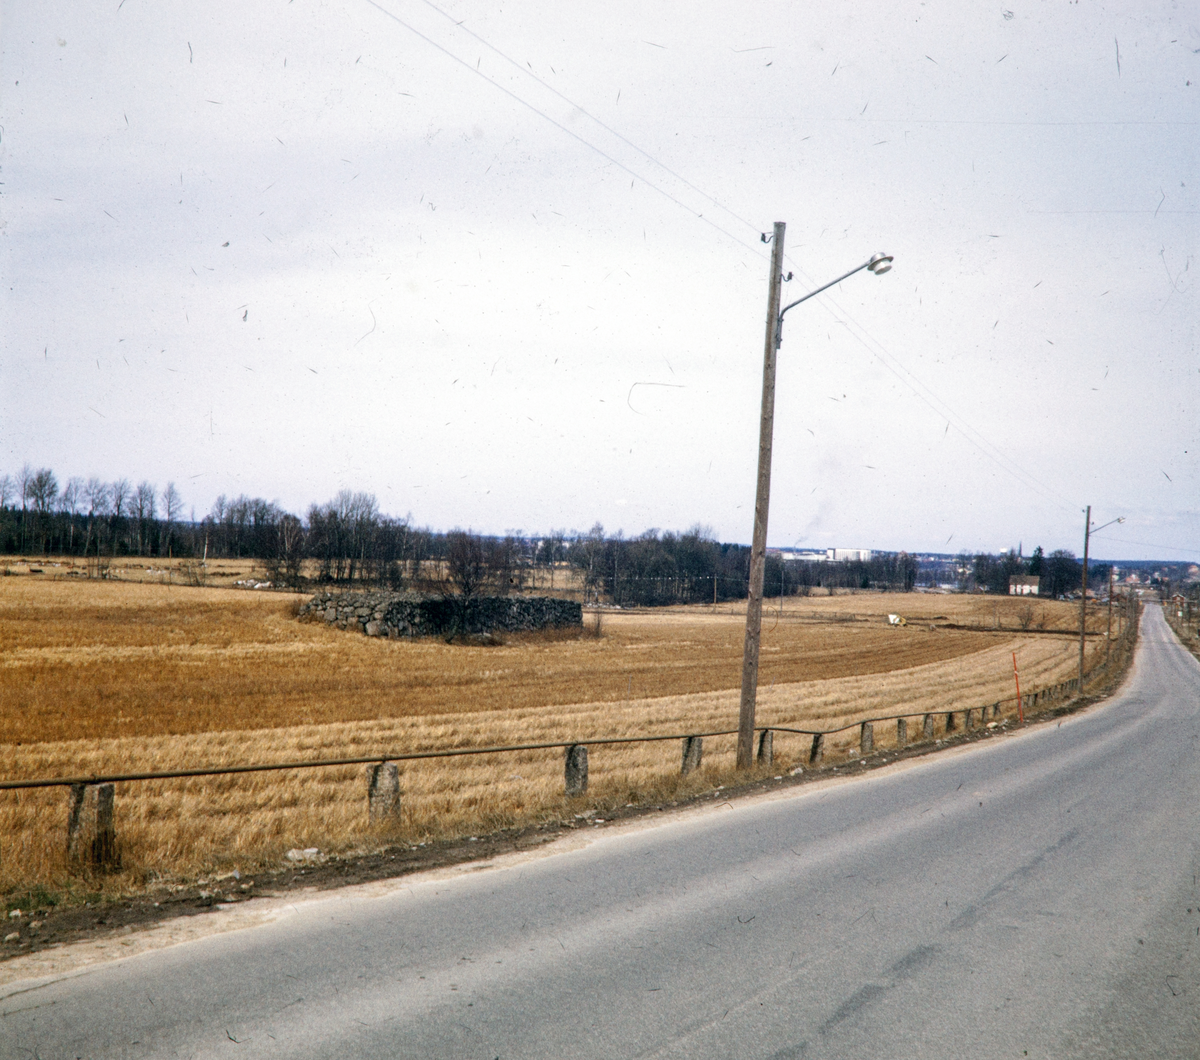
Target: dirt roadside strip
x=39 y=930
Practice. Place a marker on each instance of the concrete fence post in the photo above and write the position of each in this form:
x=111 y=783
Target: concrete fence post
x=968 y=718
x=693 y=751
x=576 y=769
x=866 y=738
x=950 y=721
x=383 y=792
x=91 y=838
x=901 y=732
x=818 y=749
x=995 y=710
x=927 y=727
x=766 y=748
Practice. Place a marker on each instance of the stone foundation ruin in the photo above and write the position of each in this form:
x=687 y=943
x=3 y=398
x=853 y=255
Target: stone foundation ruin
x=388 y=614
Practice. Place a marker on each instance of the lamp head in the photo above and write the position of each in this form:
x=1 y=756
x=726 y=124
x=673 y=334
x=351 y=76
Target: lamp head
x=880 y=263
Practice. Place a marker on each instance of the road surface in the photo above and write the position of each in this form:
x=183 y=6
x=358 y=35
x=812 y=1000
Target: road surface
x=1035 y=895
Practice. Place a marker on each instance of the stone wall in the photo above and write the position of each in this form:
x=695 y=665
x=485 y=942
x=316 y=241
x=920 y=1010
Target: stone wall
x=388 y=614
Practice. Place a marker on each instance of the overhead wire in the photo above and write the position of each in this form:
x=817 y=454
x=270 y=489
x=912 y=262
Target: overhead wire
x=930 y=398
x=873 y=346
x=603 y=125
x=1148 y=544
x=558 y=125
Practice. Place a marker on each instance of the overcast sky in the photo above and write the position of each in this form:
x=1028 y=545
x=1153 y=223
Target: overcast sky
x=500 y=265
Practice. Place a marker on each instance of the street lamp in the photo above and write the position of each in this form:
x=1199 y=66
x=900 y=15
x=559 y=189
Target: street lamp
x=1087 y=533
x=878 y=264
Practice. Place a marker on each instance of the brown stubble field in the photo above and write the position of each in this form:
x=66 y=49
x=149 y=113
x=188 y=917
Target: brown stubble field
x=100 y=677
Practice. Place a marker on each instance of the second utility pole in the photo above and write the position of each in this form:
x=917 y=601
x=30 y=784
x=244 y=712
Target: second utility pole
x=762 y=499
x=1087 y=530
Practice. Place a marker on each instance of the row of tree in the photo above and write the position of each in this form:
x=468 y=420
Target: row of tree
x=1059 y=573
x=348 y=540
x=85 y=516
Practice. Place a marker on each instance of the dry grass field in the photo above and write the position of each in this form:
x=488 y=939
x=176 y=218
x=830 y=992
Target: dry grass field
x=104 y=677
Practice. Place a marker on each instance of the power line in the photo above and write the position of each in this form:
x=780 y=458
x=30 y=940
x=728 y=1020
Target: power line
x=923 y=392
x=1151 y=544
x=930 y=398
x=607 y=128
x=558 y=125
x=993 y=122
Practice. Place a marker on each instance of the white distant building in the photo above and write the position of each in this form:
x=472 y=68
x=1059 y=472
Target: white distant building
x=1023 y=585
x=844 y=555
x=804 y=555
x=821 y=555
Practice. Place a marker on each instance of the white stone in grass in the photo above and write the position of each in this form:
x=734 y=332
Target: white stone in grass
x=12 y=937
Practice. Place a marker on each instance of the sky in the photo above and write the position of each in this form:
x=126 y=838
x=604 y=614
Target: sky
x=502 y=265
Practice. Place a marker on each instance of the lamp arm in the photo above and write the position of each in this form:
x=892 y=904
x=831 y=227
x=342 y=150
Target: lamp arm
x=812 y=294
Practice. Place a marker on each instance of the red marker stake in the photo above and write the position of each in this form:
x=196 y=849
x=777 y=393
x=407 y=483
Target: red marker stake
x=1017 y=678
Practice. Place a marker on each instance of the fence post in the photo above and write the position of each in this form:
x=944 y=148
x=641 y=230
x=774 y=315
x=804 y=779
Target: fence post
x=927 y=727
x=693 y=751
x=766 y=748
x=866 y=738
x=818 y=749
x=576 y=769
x=91 y=838
x=383 y=792
x=901 y=732
x=968 y=718
x=950 y=721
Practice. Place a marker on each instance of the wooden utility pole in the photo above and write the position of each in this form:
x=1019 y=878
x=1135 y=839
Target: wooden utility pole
x=1108 y=633
x=758 y=547
x=1087 y=529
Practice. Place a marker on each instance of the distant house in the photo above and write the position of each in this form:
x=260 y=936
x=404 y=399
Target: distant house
x=1024 y=585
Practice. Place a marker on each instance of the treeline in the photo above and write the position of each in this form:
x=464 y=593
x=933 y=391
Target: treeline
x=1060 y=573
x=86 y=517
x=349 y=541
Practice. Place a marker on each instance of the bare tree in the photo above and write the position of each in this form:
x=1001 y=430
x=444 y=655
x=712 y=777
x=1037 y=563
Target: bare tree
x=505 y=569
x=466 y=563
x=552 y=551
x=42 y=489
x=587 y=555
x=24 y=480
x=287 y=551
x=143 y=502
x=172 y=505
x=6 y=490
x=95 y=495
x=119 y=494
x=72 y=498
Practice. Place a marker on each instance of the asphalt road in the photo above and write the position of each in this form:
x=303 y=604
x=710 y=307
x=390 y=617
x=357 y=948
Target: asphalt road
x=1036 y=895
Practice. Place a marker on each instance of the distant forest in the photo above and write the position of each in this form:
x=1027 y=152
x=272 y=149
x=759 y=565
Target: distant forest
x=348 y=541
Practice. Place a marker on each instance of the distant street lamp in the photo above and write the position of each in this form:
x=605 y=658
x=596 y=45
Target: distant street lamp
x=879 y=264
x=1087 y=533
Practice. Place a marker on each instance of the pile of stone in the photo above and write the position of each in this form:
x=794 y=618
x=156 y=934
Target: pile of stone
x=391 y=614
